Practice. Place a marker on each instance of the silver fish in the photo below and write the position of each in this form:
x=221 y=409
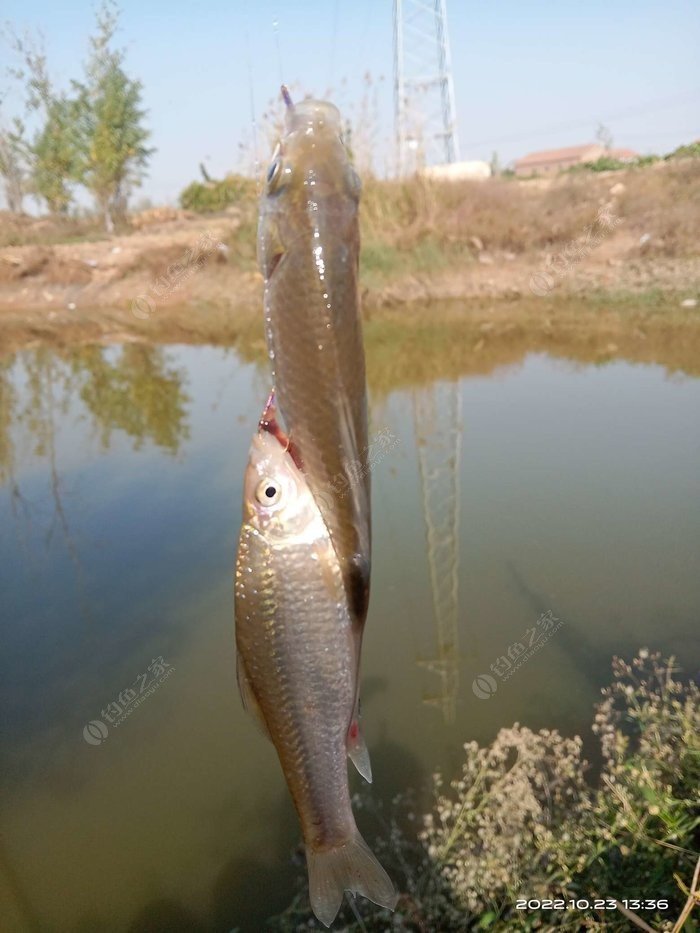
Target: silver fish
x=298 y=665
x=308 y=247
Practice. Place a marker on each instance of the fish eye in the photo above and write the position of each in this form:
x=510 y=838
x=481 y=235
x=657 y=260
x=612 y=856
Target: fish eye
x=268 y=492
x=273 y=171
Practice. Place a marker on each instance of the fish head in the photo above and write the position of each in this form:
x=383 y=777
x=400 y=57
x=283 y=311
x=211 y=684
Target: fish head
x=311 y=164
x=277 y=502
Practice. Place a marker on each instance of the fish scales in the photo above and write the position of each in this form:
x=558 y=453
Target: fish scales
x=306 y=661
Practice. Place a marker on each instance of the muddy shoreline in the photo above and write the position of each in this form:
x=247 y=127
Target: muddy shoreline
x=224 y=307
x=411 y=344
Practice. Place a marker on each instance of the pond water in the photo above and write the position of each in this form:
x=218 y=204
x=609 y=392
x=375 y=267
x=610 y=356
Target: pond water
x=546 y=504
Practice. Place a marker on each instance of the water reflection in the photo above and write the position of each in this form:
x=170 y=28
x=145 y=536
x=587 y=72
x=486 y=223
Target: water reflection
x=575 y=493
x=437 y=413
x=140 y=392
x=135 y=389
x=413 y=346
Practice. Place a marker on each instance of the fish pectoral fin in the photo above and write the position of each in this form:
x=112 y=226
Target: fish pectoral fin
x=270 y=248
x=250 y=703
x=358 y=752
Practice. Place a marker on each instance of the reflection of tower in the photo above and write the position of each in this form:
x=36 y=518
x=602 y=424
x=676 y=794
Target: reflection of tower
x=437 y=423
x=424 y=97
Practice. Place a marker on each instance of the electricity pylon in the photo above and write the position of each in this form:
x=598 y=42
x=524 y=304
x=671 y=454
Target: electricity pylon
x=437 y=425
x=424 y=97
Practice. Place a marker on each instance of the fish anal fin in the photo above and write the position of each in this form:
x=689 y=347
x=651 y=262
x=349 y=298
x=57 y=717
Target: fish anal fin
x=356 y=745
x=358 y=752
x=250 y=703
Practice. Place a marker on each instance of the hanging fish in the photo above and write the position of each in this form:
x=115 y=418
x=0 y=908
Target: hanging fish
x=298 y=661
x=308 y=249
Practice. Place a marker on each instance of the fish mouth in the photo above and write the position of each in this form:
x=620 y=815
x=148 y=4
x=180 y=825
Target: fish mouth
x=269 y=424
x=310 y=114
x=287 y=97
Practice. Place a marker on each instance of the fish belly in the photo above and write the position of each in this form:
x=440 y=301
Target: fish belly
x=294 y=636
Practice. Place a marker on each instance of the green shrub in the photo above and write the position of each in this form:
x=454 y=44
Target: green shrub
x=690 y=151
x=208 y=196
x=603 y=164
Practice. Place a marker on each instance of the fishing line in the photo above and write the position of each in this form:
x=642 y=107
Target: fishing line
x=365 y=28
x=276 y=30
x=334 y=34
x=351 y=901
x=254 y=123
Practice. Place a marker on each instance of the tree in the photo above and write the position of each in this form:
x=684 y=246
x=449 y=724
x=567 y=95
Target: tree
x=50 y=160
x=14 y=164
x=112 y=136
x=604 y=137
x=56 y=155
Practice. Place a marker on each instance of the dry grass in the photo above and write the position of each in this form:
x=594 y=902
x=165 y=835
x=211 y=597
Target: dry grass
x=503 y=213
x=23 y=230
x=521 y=217
x=665 y=201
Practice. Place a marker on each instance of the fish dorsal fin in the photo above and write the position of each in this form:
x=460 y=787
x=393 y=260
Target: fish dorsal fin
x=357 y=748
x=250 y=703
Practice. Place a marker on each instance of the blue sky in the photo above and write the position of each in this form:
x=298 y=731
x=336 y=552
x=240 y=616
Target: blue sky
x=528 y=74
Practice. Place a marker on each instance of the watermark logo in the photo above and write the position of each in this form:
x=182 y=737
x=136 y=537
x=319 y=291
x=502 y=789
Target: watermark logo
x=381 y=444
x=95 y=732
x=143 y=306
x=117 y=711
x=485 y=685
x=541 y=283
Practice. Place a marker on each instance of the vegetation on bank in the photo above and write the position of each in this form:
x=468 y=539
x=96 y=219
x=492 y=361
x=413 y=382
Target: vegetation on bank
x=417 y=226
x=421 y=225
x=607 y=163
x=209 y=196
x=522 y=821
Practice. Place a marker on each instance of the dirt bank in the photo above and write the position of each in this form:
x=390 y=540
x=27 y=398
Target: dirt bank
x=175 y=275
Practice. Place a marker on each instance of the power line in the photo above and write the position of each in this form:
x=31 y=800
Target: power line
x=639 y=110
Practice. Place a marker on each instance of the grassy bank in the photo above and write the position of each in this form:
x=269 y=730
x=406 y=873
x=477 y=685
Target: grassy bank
x=424 y=226
x=526 y=836
x=629 y=231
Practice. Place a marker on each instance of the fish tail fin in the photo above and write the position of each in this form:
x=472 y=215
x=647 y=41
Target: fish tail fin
x=349 y=867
